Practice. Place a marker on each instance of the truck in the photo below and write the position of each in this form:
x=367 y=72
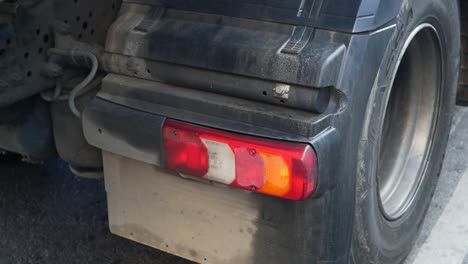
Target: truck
x=242 y=131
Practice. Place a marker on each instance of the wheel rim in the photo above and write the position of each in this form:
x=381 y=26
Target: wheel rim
x=409 y=125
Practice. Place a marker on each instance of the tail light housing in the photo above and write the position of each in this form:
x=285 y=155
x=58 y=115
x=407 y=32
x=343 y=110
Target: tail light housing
x=282 y=169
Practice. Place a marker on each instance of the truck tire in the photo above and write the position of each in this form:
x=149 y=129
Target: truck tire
x=406 y=131
x=462 y=97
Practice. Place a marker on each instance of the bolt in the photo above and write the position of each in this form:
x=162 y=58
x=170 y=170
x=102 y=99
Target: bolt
x=282 y=91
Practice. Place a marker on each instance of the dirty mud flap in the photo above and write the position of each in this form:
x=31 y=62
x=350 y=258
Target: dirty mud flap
x=193 y=219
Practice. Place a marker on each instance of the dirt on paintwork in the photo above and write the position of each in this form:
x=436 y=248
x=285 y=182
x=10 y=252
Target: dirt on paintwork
x=49 y=216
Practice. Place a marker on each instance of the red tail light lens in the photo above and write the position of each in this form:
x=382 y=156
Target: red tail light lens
x=282 y=169
x=186 y=152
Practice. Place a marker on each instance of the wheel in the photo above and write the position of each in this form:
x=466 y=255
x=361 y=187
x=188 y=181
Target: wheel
x=406 y=132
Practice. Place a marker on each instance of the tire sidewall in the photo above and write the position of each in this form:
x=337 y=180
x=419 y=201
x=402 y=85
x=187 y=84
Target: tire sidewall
x=375 y=239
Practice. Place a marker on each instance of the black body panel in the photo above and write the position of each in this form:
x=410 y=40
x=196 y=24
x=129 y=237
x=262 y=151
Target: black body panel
x=340 y=15
x=265 y=50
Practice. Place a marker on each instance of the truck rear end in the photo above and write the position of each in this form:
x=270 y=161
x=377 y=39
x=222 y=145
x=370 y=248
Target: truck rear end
x=244 y=131
x=231 y=101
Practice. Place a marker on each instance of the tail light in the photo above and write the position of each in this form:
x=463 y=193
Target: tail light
x=286 y=170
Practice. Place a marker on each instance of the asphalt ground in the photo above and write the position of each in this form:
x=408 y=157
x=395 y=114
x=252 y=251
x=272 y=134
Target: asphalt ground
x=444 y=235
x=49 y=216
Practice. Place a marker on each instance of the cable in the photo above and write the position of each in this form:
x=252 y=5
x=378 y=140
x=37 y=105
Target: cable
x=83 y=84
x=64 y=97
x=50 y=98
